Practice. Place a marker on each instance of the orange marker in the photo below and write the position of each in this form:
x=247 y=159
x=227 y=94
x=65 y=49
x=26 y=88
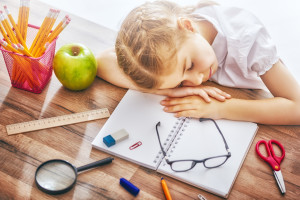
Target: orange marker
x=165 y=188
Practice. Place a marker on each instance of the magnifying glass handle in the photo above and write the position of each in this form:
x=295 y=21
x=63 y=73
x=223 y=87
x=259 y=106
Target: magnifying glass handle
x=95 y=164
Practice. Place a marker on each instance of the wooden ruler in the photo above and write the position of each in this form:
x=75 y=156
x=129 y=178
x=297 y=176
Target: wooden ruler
x=57 y=121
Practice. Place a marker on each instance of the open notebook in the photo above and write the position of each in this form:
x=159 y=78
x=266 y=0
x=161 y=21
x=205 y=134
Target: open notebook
x=182 y=138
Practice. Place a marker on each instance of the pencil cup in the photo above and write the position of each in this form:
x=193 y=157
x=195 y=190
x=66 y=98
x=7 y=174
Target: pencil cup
x=28 y=73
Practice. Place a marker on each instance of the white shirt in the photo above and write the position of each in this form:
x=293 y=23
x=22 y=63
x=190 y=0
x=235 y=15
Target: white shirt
x=243 y=47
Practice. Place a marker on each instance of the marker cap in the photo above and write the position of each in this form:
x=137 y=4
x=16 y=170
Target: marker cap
x=129 y=186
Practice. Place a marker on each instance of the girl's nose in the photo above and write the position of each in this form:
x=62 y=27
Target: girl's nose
x=193 y=80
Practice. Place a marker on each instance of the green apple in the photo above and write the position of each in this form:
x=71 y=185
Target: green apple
x=75 y=66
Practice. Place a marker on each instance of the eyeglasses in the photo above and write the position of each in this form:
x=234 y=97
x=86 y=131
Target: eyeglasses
x=186 y=165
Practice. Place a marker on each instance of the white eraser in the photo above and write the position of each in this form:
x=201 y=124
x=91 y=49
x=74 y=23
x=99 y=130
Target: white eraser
x=120 y=135
x=115 y=137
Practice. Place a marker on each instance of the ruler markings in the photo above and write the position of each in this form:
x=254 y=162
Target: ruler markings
x=57 y=121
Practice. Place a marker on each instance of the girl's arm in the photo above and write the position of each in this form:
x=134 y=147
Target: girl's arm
x=109 y=70
x=283 y=109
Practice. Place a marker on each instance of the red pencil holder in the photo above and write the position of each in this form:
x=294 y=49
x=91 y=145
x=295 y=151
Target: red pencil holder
x=28 y=73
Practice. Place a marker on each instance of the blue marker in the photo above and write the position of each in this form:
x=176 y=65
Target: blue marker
x=115 y=138
x=129 y=186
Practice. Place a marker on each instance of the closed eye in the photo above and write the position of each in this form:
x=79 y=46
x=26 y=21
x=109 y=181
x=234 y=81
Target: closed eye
x=191 y=67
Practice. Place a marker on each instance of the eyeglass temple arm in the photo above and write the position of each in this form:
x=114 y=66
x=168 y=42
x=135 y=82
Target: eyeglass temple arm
x=205 y=119
x=158 y=124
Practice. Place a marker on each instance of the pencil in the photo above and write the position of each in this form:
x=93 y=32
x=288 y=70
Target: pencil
x=44 y=37
x=23 y=69
x=45 y=21
x=4 y=34
x=59 y=25
x=44 y=32
x=24 y=51
x=20 y=14
x=165 y=188
x=27 y=9
x=7 y=46
x=12 y=21
x=54 y=35
x=20 y=70
x=60 y=29
x=7 y=28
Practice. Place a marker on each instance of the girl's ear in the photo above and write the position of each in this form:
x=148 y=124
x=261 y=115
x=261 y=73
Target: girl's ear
x=185 y=23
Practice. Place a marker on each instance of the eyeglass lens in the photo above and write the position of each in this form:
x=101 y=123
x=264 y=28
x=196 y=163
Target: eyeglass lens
x=215 y=162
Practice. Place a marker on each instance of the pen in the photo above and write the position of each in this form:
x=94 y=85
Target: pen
x=165 y=188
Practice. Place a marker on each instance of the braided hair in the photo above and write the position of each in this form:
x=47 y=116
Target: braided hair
x=148 y=40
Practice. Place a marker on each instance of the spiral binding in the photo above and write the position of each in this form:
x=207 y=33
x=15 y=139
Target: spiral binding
x=178 y=128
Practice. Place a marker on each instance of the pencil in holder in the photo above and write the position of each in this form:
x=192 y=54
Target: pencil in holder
x=29 y=73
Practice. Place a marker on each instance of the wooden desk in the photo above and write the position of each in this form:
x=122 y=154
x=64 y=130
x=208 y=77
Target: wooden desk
x=21 y=154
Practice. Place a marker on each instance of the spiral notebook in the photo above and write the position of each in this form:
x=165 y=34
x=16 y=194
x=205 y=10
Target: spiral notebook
x=182 y=138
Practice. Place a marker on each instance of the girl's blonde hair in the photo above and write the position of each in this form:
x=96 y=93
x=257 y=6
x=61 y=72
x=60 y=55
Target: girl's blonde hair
x=149 y=39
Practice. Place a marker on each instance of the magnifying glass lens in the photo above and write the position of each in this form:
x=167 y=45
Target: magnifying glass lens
x=56 y=175
x=59 y=176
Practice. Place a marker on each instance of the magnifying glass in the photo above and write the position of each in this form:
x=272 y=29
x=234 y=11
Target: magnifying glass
x=59 y=176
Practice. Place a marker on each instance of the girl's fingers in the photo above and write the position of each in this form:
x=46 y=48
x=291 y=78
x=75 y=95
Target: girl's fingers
x=204 y=91
x=179 y=108
x=181 y=92
x=178 y=101
x=224 y=94
x=217 y=94
x=188 y=113
x=202 y=94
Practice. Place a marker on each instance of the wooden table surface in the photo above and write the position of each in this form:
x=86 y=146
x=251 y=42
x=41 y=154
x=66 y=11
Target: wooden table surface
x=21 y=154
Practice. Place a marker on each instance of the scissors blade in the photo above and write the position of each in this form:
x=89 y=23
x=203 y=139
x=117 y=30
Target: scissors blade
x=279 y=180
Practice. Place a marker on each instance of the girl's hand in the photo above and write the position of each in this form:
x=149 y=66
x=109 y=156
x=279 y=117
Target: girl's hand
x=203 y=91
x=191 y=106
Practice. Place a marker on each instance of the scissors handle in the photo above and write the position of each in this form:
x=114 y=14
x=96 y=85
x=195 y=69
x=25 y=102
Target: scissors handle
x=280 y=158
x=271 y=158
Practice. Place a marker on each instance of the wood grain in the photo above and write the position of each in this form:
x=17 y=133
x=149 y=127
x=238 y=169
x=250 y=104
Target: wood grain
x=21 y=154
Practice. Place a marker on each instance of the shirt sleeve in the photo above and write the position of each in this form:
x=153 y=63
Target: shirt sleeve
x=256 y=46
x=263 y=53
x=243 y=47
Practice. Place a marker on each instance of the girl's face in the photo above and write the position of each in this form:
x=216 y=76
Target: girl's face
x=196 y=63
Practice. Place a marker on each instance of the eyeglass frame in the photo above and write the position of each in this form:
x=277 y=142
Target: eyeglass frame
x=195 y=162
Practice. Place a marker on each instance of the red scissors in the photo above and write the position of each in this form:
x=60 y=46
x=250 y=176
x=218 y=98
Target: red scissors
x=273 y=160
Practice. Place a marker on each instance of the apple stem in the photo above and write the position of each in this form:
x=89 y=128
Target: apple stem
x=75 y=50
